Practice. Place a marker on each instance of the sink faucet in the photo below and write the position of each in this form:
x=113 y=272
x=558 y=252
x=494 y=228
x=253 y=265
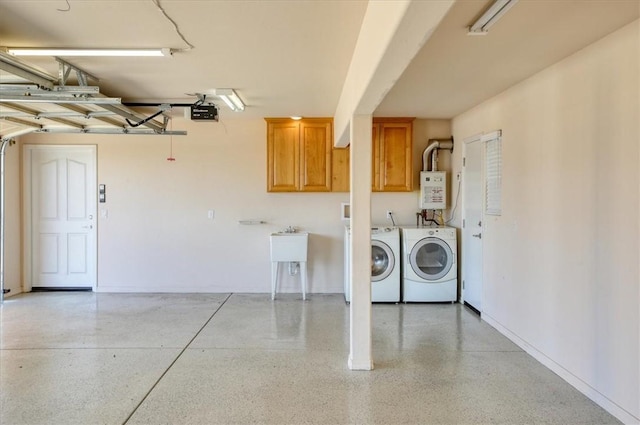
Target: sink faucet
x=290 y=229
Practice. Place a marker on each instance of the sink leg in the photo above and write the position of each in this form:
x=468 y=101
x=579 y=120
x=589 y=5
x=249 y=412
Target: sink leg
x=274 y=278
x=303 y=278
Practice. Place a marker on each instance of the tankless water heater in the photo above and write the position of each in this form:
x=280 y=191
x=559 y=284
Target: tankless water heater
x=433 y=190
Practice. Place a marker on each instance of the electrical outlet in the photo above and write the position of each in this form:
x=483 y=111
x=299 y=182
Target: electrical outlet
x=389 y=212
x=457 y=176
x=211 y=214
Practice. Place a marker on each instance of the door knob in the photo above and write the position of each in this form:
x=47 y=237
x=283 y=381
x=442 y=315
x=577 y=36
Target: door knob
x=479 y=236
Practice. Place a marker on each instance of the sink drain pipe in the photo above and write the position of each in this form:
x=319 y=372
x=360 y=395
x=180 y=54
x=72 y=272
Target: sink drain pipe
x=3 y=146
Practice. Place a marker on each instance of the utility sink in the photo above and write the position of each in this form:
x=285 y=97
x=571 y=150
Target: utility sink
x=289 y=246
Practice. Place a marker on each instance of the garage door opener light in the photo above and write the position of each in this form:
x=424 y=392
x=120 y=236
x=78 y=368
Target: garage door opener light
x=231 y=98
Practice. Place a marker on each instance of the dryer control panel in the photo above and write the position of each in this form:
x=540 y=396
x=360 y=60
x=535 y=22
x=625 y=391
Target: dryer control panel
x=433 y=190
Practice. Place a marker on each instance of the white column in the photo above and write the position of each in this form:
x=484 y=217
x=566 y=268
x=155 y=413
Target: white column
x=392 y=33
x=360 y=355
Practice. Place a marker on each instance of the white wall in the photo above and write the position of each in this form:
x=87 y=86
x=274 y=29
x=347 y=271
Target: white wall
x=157 y=236
x=561 y=274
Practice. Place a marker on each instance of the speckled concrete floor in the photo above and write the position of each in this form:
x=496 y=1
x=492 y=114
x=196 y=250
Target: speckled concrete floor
x=85 y=358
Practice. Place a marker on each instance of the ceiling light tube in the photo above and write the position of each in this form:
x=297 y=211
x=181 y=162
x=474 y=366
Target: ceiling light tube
x=89 y=52
x=491 y=16
x=231 y=98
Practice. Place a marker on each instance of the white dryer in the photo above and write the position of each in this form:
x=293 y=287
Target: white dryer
x=385 y=264
x=430 y=269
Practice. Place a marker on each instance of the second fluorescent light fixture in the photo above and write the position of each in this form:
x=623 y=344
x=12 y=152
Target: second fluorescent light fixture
x=230 y=97
x=491 y=16
x=88 y=52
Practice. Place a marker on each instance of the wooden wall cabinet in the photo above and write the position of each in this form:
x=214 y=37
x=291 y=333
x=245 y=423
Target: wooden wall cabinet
x=392 y=155
x=299 y=154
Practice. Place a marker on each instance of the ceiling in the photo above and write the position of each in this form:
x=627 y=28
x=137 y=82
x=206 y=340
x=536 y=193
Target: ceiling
x=291 y=57
x=454 y=71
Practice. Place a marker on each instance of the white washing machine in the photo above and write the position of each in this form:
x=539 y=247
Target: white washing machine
x=385 y=264
x=430 y=269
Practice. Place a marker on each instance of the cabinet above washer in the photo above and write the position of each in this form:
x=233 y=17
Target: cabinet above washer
x=391 y=156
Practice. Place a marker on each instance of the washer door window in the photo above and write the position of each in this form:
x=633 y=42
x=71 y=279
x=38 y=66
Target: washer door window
x=431 y=258
x=382 y=261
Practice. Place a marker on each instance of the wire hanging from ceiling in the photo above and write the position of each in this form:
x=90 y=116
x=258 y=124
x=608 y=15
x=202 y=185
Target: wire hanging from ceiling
x=67 y=9
x=175 y=26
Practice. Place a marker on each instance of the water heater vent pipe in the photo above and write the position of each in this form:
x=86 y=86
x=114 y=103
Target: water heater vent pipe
x=435 y=144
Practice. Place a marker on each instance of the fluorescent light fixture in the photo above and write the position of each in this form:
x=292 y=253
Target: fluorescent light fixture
x=491 y=16
x=231 y=98
x=296 y=118
x=88 y=52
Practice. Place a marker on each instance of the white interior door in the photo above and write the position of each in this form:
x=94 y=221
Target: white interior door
x=472 y=224
x=60 y=207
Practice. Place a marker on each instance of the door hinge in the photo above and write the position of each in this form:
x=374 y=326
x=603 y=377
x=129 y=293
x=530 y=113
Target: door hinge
x=463 y=284
x=464 y=161
x=463 y=222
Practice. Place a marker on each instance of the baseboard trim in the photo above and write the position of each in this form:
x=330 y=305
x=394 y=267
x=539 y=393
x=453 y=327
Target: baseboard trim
x=60 y=289
x=170 y=290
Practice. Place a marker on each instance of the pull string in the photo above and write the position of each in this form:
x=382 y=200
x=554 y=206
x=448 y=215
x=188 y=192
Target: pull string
x=171 y=158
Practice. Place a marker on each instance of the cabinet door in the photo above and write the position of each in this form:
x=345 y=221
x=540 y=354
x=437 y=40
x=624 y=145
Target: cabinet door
x=283 y=156
x=395 y=150
x=315 y=155
x=341 y=170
